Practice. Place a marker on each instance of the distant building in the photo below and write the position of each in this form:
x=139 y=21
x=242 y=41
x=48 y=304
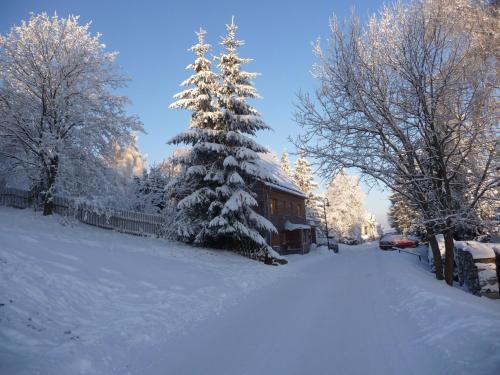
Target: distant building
x=369 y=228
x=282 y=203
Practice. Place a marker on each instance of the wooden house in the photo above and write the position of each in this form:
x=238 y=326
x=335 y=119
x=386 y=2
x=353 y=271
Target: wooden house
x=282 y=203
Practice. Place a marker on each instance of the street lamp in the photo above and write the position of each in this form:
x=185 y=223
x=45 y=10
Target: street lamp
x=326 y=204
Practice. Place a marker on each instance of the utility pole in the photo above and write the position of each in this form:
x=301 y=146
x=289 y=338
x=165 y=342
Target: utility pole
x=325 y=205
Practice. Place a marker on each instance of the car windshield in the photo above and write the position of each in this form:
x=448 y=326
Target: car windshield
x=393 y=237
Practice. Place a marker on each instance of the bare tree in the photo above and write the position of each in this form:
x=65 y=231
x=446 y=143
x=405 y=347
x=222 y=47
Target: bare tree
x=409 y=100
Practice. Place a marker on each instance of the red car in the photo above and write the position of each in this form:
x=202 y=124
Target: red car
x=395 y=240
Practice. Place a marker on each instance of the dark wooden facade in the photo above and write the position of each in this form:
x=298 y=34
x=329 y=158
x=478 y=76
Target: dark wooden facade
x=281 y=206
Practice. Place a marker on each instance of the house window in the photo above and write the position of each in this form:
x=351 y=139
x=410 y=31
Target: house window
x=274 y=206
x=299 y=210
x=290 y=210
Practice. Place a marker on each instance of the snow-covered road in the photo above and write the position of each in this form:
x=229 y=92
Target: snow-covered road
x=80 y=300
x=360 y=312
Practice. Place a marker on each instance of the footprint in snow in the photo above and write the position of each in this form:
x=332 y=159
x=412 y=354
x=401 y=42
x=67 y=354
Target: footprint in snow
x=147 y=285
x=176 y=287
x=63 y=266
x=27 y=238
x=65 y=256
x=110 y=271
x=110 y=282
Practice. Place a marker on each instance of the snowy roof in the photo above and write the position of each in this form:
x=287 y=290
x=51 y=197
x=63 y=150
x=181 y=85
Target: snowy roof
x=292 y=226
x=271 y=167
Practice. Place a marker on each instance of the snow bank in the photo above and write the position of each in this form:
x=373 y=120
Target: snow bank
x=68 y=293
x=82 y=300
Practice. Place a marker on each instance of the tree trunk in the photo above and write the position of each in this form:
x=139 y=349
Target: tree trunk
x=48 y=204
x=449 y=256
x=436 y=254
x=48 y=194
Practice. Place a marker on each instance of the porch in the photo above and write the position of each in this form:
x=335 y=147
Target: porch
x=292 y=239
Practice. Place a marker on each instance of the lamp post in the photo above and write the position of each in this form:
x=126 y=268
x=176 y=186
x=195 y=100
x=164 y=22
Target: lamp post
x=326 y=204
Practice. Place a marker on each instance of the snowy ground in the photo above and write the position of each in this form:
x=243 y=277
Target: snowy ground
x=80 y=300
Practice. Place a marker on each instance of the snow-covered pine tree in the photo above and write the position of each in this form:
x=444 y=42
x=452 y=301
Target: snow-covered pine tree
x=404 y=218
x=234 y=220
x=192 y=188
x=303 y=176
x=285 y=164
x=149 y=190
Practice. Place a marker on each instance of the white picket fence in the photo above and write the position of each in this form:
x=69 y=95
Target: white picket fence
x=15 y=198
x=132 y=222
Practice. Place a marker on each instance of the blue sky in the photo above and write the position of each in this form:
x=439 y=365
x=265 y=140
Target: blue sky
x=152 y=38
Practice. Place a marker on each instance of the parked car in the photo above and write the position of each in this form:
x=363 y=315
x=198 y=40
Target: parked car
x=390 y=241
x=349 y=241
x=332 y=243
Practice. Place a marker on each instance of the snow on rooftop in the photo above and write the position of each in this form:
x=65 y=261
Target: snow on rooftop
x=271 y=167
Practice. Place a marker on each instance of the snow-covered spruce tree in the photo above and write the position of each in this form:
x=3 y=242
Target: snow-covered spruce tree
x=58 y=113
x=195 y=188
x=234 y=221
x=303 y=176
x=149 y=190
x=285 y=164
x=404 y=218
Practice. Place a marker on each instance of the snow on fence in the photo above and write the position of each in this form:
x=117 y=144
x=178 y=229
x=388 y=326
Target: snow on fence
x=124 y=221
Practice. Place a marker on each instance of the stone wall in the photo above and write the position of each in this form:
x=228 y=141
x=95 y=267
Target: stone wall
x=478 y=275
x=497 y=256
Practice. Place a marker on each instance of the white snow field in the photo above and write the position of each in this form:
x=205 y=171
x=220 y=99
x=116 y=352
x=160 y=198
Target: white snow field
x=81 y=300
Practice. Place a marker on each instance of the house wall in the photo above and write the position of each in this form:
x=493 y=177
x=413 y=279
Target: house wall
x=369 y=230
x=278 y=207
